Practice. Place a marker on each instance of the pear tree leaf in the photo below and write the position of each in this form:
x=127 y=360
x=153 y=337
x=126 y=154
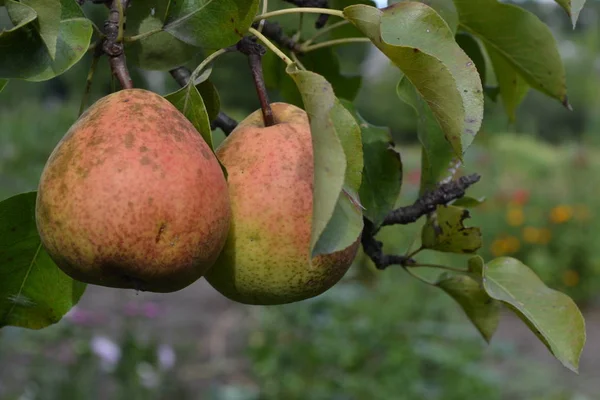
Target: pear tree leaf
x=211 y=98
x=480 y=308
x=470 y=46
x=48 y=12
x=211 y=24
x=552 y=316
x=418 y=41
x=28 y=49
x=437 y=154
x=445 y=8
x=382 y=172
x=445 y=231
x=3 y=83
x=189 y=101
x=521 y=38
x=573 y=8
x=161 y=51
x=337 y=220
x=513 y=87
x=347 y=30
x=34 y=292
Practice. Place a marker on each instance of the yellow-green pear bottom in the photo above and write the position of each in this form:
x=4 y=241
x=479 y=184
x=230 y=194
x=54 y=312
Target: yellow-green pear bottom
x=270 y=178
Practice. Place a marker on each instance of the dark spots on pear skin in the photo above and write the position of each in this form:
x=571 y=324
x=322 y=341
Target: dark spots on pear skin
x=143 y=149
x=145 y=160
x=129 y=140
x=150 y=200
x=205 y=153
x=161 y=230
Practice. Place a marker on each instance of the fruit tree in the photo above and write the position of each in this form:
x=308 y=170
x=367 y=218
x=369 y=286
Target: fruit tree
x=138 y=196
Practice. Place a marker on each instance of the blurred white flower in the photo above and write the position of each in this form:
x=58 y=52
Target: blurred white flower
x=166 y=357
x=107 y=350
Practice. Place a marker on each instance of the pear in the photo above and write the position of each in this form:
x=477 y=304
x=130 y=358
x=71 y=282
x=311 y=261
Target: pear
x=132 y=197
x=266 y=259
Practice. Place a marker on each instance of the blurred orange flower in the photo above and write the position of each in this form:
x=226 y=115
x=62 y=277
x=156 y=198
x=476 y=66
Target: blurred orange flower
x=536 y=235
x=570 y=278
x=561 y=214
x=515 y=216
x=506 y=245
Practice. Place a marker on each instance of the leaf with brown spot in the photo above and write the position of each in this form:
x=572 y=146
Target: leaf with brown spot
x=445 y=231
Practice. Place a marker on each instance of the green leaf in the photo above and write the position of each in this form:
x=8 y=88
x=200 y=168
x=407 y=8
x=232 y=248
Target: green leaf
x=349 y=133
x=34 y=292
x=160 y=51
x=211 y=98
x=382 y=173
x=3 y=83
x=211 y=24
x=481 y=309
x=513 y=87
x=421 y=44
x=337 y=221
x=446 y=232
x=437 y=154
x=521 y=38
x=470 y=46
x=468 y=202
x=551 y=315
x=347 y=30
x=445 y=8
x=189 y=101
x=48 y=12
x=573 y=8
x=28 y=51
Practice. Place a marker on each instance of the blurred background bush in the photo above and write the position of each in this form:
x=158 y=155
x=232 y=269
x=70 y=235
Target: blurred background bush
x=378 y=335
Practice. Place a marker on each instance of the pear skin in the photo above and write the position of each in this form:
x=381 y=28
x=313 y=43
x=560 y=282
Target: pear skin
x=132 y=197
x=266 y=258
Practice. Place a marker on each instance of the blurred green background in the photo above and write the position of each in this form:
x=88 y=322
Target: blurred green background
x=377 y=335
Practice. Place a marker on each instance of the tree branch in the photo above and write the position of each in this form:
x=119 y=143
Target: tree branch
x=427 y=203
x=222 y=121
x=113 y=45
x=323 y=18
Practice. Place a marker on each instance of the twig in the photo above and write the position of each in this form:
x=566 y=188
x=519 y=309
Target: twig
x=255 y=52
x=273 y=31
x=428 y=202
x=323 y=18
x=222 y=121
x=113 y=45
x=90 y=77
x=374 y=249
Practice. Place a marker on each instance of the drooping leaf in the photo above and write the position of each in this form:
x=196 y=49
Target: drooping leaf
x=3 y=83
x=29 y=52
x=189 y=101
x=382 y=173
x=160 y=51
x=513 y=87
x=211 y=24
x=34 y=292
x=573 y=8
x=437 y=153
x=421 y=44
x=470 y=46
x=552 y=316
x=337 y=222
x=446 y=232
x=481 y=309
x=524 y=41
x=349 y=133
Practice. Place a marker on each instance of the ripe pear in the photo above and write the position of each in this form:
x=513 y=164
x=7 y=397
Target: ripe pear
x=266 y=259
x=132 y=197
